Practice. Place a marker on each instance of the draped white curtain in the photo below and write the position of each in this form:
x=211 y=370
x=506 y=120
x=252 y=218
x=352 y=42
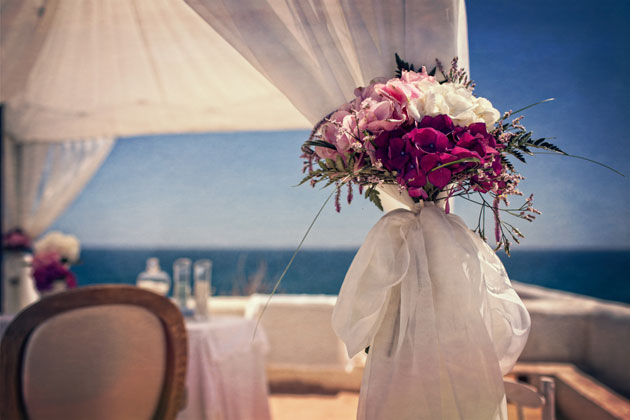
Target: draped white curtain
x=41 y=179
x=316 y=52
x=73 y=70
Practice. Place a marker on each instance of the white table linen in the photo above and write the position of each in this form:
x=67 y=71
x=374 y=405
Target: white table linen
x=226 y=370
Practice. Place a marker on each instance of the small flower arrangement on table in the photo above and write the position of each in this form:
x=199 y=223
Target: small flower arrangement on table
x=433 y=139
x=54 y=254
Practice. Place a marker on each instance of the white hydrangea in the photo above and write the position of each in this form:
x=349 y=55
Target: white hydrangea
x=454 y=100
x=67 y=246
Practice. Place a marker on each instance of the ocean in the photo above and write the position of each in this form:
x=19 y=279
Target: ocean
x=600 y=274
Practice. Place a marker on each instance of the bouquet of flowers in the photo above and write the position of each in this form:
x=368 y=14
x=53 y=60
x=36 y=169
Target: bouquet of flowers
x=433 y=139
x=53 y=255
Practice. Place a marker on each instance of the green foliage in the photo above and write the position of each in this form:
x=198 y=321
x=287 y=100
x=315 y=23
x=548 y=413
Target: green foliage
x=403 y=65
x=372 y=194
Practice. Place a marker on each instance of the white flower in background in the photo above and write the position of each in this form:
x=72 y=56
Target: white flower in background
x=454 y=100
x=67 y=246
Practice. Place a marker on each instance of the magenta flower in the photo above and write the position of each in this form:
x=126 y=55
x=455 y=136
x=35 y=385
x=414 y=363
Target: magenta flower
x=47 y=268
x=395 y=155
x=477 y=144
x=441 y=123
x=415 y=177
x=399 y=152
x=438 y=177
x=429 y=140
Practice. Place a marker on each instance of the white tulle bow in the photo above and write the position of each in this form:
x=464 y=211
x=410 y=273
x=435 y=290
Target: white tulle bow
x=437 y=309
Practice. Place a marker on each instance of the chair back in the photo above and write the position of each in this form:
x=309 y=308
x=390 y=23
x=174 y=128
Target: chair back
x=101 y=352
x=524 y=395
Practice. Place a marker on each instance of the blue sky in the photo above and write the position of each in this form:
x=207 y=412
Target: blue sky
x=237 y=189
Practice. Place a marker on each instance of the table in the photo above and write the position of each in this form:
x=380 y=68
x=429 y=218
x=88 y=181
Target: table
x=226 y=369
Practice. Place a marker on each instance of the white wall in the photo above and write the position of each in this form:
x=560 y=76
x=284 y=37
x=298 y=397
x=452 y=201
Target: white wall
x=593 y=334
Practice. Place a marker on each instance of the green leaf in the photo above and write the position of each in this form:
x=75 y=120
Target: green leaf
x=518 y=155
x=402 y=65
x=339 y=164
x=306 y=178
x=320 y=143
x=374 y=197
x=507 y=163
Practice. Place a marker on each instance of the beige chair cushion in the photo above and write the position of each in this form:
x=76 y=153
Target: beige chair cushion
x=102 y=362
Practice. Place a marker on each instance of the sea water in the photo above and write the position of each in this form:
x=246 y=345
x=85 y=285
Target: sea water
x=600 y=274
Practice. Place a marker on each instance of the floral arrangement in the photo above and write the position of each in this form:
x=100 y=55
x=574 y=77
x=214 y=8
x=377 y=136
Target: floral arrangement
x=48 y=268
x=16 y=240
x=53 y=255
x=66 y=246
x=432 y=138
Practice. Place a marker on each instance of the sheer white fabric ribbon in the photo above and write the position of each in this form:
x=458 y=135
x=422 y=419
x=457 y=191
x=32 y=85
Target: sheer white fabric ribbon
x=437 y=309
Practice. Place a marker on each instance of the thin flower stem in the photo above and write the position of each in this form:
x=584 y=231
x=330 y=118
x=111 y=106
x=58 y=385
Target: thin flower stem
x=583 y=158
x=454 y=162
x=481 y=204
x=533 y=105
x=275 y=287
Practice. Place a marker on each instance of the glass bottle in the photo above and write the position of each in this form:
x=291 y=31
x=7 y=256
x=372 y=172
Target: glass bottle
x=153 y=278
x=202 y=272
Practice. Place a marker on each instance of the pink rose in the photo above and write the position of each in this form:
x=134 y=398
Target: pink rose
x=378 y=116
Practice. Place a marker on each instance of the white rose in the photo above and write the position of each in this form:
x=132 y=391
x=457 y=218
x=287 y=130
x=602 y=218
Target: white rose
x=67 y=246
x=488 y=113
x=460 y=106
x=454 y=100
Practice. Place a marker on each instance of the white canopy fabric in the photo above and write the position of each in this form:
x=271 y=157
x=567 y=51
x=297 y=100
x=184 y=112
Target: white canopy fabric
x=41 y=179
x=73 y=70
x=317 y=52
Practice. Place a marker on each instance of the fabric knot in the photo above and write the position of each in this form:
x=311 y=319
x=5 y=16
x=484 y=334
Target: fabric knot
x=417 y=207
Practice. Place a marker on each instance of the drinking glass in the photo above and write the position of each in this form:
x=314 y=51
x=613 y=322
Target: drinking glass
x=181 y=282
x=202 y=272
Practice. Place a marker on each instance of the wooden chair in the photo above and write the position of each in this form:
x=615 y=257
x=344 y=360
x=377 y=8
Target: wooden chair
x=522 y=395
x=101 y=352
